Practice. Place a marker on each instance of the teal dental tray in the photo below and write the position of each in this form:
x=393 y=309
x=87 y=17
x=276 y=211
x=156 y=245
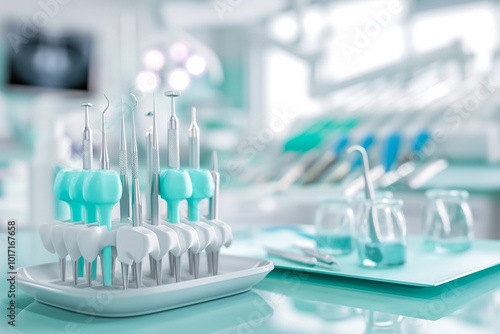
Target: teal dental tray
x=422 y=268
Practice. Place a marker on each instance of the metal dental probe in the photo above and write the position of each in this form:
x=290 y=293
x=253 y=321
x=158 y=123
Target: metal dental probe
x=136 y=193
x=173 y=156
x=155 y=186
x=173 y=133
x=149 y=147
x=194 y=163
x=104 y=164
x=125 y=199
x=213 y=257
x=194 y=142
x=87 y=139
x=86 y=158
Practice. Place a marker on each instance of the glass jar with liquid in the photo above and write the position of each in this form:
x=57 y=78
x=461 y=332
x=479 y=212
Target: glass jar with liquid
x=334 y=225
x=448 y=221
x=381 y=234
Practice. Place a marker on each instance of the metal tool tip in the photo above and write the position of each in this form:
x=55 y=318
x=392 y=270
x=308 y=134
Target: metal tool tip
x=88 y=104
x=214 y=163
x=172 y=93
x=107 y=105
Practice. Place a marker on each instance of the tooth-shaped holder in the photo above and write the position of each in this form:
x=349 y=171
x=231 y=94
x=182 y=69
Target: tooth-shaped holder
x=203 y=187
x=70 y=236
x=104 y=189
x=224 y=237
x=189 y=241
x=175 y=186
x=62 y=185
x=90 y=242
x=168 y=242
x=208 y=241
x=90 y=210
x=133 y=245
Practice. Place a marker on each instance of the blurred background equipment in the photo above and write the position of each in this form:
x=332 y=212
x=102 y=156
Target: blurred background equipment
x=282 y=88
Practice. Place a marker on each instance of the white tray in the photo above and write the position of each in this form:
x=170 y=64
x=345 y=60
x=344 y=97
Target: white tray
x=237 y=274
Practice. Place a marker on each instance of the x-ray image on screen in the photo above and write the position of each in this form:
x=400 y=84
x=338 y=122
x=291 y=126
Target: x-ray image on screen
x=59 y=61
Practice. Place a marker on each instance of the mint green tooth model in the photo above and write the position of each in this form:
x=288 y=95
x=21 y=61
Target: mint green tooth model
x=203 y=187
x=104 y=189
x=61 y=191
x=90 y=210
x=175 y=186
x=62 y=186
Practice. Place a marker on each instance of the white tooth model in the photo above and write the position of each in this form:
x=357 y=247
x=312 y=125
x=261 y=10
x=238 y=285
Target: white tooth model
x=70 y=236
x=133 y=245
x=224 y=237
x=55 y=232
x=208 y=241
x=189 y=241
x=168 y=242
x=91 y=241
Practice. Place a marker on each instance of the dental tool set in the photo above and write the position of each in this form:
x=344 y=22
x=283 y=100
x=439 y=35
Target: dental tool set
x=140 y=243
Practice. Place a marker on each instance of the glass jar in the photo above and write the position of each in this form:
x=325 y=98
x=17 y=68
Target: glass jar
x=381 y=234
x=334 y=224
x=448 y=221
x=360 y=198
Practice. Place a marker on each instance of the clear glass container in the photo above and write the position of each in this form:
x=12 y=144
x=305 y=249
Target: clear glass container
x=381 y=234
x=334 y=224
x=448 y=221
x=360 y=198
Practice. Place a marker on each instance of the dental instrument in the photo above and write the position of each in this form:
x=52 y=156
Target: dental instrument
x=154 y=185
x=320 y=256
x=155 y=171
x=194 y=142
x=149 y=144
x=294 y=257
x=125 y=199
x=136 y=193
x=213 y=257
x=136 y=190
x=194 y=163
x=104 y=159
x=173 y=133
x=104 y=165
x=87 y=139
x=369 y=190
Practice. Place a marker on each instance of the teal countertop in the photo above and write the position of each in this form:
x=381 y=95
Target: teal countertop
x=284 y=302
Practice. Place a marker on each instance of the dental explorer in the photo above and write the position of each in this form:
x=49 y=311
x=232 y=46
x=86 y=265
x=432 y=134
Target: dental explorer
x=87 y=139
x=125 y=199
x=173 y=133
x=104 y=164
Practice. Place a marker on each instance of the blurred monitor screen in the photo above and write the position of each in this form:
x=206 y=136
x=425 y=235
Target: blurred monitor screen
x=47 y=60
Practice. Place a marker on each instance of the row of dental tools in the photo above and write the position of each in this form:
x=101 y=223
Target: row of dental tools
x=131 y=239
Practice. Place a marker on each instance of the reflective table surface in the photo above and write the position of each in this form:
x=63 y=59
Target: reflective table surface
x=284 y=302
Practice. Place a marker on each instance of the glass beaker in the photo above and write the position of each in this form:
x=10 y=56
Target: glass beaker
x=381 y=234
x=334 y=224
x=448 y=221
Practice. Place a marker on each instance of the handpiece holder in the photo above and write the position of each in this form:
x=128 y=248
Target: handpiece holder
x=203 y=187
x=104 y=189
x=175 y=186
